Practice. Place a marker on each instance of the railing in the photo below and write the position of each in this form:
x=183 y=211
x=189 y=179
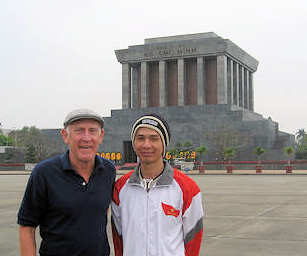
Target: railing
x=259 y=165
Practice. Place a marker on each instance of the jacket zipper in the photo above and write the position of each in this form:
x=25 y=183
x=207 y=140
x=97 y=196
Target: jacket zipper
x=147 y=220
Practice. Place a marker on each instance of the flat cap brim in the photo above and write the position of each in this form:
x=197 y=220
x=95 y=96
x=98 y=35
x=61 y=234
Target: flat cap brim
x=80 y=114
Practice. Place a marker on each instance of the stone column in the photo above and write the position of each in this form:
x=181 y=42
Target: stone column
x=144 y=84
x=221 y=81
x=126 y=86
x=230 y=99
x=251 y=92
x=135 y=77
x=180 y=82
x=236 y=83
x=247 y=88
x=162 y=83
x=200 y=81
x=241 y=86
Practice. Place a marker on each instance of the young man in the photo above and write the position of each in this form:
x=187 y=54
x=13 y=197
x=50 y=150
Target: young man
x=156 y=210
x=68 y=196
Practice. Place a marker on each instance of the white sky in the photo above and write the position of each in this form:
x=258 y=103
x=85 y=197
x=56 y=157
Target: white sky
x=58 y=55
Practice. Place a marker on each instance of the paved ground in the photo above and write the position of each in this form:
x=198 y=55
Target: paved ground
x=246 y=215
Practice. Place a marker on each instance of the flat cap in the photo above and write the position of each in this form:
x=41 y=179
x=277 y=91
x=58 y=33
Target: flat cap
x=79 y=114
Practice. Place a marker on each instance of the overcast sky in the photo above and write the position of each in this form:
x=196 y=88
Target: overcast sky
x=58 y=55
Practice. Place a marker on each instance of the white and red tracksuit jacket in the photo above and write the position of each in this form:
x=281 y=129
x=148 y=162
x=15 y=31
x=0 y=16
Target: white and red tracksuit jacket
x=166 y=220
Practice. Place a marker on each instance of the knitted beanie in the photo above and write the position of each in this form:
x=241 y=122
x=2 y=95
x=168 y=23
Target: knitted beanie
x=155 y=122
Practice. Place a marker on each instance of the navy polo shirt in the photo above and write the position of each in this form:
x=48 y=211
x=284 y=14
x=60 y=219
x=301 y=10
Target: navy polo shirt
x=71 y=214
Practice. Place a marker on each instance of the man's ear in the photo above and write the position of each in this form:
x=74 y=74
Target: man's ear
x=64 y=134
x=101 y=136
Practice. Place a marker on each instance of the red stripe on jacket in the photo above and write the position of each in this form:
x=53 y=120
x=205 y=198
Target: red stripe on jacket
x=188 y=187
x=119 y=185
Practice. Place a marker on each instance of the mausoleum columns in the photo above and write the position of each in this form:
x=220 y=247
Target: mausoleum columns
x=246 y=88
x=126 y=86
x=135 y=78
x=144 y=84
x=251 y=92
x=162 y=83
x=184 y=81
x=236 y=83
x=181 y=79
x=200 y=81
x=230 y=91
x=221 y=81
x=243 y=87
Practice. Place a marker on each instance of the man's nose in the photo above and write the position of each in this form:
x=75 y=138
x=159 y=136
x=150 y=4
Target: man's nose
x=147 y=143
x=86 y=135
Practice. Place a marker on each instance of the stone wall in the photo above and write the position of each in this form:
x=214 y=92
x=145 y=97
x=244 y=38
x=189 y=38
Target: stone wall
x=213 y=126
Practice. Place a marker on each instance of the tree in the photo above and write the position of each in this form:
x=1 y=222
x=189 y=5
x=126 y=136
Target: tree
x=9 y=154
x=6 y=140
x=187 y=146
x=300 y=135
x=301 y=149
x=258 y=151
x=30 y=154
x=201 y=150
x=178 y=146
x=44 y=147
x=173 y=152
x=178 y=150
x=187 y=151
x=288 y=151
x=229 y=153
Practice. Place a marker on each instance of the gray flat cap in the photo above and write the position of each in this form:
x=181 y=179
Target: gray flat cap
x=79 y=114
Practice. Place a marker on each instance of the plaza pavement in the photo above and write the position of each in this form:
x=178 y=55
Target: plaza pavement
x=245 y=215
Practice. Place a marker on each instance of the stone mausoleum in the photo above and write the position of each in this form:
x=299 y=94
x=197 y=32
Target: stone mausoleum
x=202 y=84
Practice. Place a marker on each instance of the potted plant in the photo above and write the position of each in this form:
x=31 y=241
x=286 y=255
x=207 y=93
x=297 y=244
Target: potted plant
x=201 y=150
x=258 y=152
x=289 y=151
x=172 y=154
x=229 y=153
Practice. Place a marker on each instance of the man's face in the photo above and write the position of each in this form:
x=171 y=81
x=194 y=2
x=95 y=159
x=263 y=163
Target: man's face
x=83 y=138
x=148 y=145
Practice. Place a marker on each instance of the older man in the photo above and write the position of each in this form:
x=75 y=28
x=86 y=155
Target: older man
x=156 y=210
x=68 y=196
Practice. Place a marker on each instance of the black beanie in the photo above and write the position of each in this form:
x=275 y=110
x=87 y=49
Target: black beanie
x=155 y=122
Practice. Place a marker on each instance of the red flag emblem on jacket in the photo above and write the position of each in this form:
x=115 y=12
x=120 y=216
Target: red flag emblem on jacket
x=170 y=210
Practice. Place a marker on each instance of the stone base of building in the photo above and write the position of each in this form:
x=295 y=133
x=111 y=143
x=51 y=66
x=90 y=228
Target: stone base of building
x=212 y=126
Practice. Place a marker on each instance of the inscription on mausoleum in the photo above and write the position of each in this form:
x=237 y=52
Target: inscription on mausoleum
x=169 y=52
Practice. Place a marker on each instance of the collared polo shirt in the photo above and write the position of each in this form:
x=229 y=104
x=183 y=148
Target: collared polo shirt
x=71 y=214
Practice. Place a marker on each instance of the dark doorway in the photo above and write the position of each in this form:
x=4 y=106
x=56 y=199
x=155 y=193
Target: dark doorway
x=129 y=154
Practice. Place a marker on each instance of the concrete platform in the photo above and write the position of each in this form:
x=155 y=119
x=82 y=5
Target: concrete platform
x=246 y=215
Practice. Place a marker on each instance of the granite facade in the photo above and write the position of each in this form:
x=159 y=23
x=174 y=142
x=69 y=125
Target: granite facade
x=213 y=126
